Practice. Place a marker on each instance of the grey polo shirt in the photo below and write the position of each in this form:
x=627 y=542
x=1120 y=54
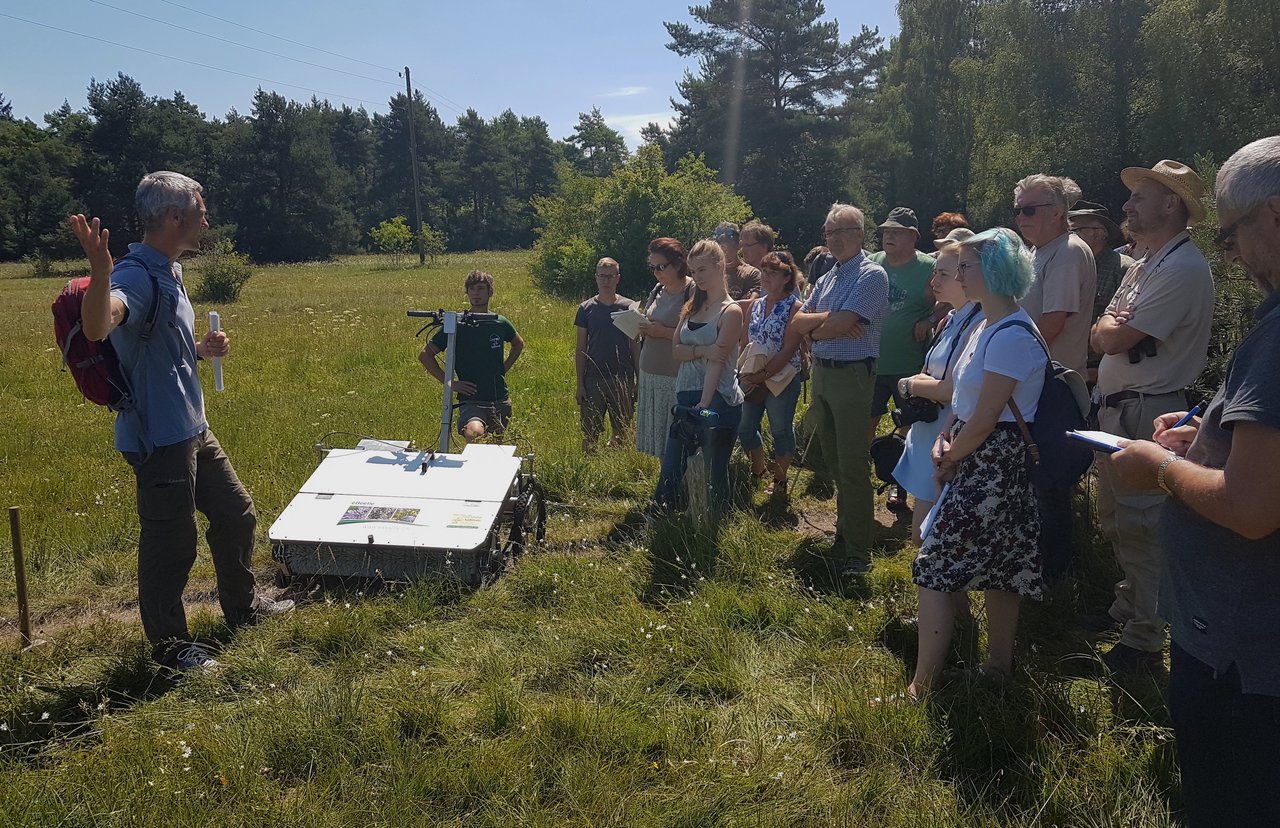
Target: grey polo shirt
x=1219 y=589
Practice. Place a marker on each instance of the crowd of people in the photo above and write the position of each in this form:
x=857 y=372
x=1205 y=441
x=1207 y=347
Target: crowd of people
x=962 y=338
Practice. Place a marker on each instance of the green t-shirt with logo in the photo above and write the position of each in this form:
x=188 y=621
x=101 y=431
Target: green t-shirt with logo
x=900 y=354
x=481 y=353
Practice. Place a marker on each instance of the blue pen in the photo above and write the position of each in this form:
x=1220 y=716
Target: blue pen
x=1193 y=412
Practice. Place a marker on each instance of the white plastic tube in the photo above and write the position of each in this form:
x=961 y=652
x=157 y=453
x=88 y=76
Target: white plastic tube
x=215 y=324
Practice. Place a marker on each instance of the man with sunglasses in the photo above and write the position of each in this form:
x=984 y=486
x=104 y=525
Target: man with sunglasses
x=1154 y=338
x=1220 y=533
x=1060 y=303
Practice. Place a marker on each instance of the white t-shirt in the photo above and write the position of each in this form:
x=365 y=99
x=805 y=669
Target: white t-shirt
x=1012 y=352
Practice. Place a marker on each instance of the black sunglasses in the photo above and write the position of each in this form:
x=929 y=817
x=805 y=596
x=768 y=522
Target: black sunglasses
x=1030 y=209
x=653 y=268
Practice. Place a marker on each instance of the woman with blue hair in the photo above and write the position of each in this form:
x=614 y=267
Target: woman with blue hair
x=984 y=530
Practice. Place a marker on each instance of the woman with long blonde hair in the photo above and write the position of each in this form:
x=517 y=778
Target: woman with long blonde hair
x=705 y=345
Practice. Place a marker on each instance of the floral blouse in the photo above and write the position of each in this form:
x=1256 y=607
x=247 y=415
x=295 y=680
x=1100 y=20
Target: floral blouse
x=768 y=331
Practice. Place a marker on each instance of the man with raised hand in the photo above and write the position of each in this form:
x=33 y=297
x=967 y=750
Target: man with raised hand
x=605 y=360
x=1154 y=338
x=1060 y=302
x=176 y=460
x=484 y=402
x=1220 y=533
x=842 y=319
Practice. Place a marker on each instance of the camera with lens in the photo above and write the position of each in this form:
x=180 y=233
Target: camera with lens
x=1145 y=348
x=687 y=424
x=915 y=410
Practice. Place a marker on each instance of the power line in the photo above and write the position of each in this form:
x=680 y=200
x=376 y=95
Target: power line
x=439 y=97
x=242 y=45
x=185 y=60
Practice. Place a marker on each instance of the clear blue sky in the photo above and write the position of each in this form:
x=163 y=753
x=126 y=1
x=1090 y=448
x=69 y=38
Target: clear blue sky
x=553 y=58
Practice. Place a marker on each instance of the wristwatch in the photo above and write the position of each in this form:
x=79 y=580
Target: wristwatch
x=1164 y=466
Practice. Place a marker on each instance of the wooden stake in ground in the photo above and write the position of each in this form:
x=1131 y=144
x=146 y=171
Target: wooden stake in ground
x=20 y=573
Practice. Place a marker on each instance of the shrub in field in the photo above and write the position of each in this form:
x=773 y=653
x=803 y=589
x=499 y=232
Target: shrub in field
x=223 y=273
x=393 y=237
x=433 y=241
x=618 y=216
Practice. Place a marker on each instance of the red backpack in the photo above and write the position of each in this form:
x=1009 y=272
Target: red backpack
x=94 y=365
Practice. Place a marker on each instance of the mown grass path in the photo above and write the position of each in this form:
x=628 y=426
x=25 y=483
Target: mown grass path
x=617 y=677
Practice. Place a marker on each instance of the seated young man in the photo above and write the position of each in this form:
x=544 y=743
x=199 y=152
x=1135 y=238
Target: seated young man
x=479 y=365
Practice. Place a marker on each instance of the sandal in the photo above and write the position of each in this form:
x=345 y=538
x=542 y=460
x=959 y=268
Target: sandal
x=893 y=699
x=778 y=488
x=897 y=499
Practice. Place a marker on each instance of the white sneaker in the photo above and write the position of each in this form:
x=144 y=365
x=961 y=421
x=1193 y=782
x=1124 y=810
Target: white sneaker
x=194 y=657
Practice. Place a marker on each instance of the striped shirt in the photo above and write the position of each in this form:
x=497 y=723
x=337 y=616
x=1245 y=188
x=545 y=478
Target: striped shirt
x=861 y=286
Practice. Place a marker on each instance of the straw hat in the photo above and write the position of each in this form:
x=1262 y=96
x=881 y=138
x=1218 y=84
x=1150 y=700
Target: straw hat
x=1178 y=177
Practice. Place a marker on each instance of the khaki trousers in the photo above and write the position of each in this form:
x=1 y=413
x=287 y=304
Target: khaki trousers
x=1130 y=519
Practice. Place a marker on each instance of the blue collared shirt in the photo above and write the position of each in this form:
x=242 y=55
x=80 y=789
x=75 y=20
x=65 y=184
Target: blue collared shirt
x=861 y=286
x=162 y=368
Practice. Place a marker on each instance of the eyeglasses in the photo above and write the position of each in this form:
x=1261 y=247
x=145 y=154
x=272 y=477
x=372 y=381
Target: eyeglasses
x=961 y=267
x=1226 y=237
x=828 y=234
x=653 y=268
x=1088 y=228
x=1030 y=209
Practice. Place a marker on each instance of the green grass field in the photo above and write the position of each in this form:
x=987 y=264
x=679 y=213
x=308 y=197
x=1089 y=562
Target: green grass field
x=615 y=677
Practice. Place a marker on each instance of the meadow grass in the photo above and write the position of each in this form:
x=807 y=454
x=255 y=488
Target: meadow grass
x=618 y=676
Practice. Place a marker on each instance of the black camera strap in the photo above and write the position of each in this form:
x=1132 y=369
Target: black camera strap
x=955 y=343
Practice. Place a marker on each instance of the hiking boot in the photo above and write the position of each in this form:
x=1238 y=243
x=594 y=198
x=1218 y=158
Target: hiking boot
x=194 y=657
x=856 y=569
x=1125 y=659
x=1098 y=624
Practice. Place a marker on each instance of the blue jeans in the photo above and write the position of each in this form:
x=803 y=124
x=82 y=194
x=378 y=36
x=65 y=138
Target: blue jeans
x=781 y=409
x=717 y=445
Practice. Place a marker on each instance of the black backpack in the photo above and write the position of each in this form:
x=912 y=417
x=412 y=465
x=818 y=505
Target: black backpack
x=1054 y=460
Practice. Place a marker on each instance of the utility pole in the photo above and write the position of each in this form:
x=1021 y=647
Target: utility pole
x=413 y=157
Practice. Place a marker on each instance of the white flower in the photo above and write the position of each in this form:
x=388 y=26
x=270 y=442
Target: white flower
x=44 y=717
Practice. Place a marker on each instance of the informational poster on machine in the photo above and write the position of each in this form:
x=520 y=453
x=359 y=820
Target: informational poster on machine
x=363 y=511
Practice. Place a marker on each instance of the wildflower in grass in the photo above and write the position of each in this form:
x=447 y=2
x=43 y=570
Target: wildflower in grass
x=44 y=717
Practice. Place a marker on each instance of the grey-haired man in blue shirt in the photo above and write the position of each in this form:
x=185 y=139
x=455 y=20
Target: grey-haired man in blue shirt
x=842 y=319
x=178 y=463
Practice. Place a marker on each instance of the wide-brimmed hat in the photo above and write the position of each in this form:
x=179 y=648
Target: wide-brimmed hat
x=959 y=234
x=1178 y=177
x=1091 y=209
x=902 y=218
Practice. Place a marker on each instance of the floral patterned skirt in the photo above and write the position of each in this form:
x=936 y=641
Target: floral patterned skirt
x=986 y=532
x=654 y=397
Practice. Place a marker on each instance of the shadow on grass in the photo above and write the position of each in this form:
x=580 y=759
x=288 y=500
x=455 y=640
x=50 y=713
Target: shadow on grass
x=66 y=712
x=817 y=568
x=683 y=547
x=1006 y=746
